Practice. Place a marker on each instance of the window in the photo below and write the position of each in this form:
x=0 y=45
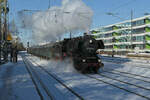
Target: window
x=107 y=29
x=124 y=25
x=138 y=31
x=141 y=46
x=138 y=22
x=139 y=38
x=124 y=32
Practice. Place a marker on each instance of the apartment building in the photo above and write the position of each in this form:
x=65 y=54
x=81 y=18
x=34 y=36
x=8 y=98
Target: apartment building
x=130 y=35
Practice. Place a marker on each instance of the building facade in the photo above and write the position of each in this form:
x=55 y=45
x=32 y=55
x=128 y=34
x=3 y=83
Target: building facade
x=126 y=36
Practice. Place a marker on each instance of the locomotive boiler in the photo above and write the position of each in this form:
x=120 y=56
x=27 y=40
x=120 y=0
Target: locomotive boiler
x=82 y=50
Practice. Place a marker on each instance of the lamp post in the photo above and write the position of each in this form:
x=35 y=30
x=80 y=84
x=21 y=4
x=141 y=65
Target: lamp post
x=49 y=4
x=115 y=15
x=0 y=36
x=146 y=13
x=122 y=19
x=131 y=29
x=113 y=39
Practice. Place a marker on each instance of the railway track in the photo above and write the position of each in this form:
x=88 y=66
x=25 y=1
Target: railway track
x=126 y=76
x=59 y=81
x=123 y=81
x=142 y=67
x=114 y=70
x=98 y=79
x=132 y=64
x=121 y=61
x=33 y=73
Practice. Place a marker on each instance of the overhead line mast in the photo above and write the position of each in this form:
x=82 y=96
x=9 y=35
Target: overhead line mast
x=3 y=29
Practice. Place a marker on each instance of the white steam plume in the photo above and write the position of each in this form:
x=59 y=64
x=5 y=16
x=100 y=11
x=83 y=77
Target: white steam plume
x=48 y=25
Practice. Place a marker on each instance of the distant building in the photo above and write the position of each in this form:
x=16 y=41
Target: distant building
x=125 y=36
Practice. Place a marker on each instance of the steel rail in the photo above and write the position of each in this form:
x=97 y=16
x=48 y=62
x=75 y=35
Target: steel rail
x=128 y=73
x=118 y=87
x=119 y=62
x=126 y=76
x=55 y=77
x=40 y=81
x=34 y=82
x=124 y=82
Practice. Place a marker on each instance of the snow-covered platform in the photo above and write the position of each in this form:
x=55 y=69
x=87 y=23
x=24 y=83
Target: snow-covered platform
x=15 y=82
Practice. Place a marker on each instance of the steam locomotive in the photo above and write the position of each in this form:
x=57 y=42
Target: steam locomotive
x=82 y=50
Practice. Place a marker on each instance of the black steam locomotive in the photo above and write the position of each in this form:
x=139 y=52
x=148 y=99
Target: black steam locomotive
x=82 y=50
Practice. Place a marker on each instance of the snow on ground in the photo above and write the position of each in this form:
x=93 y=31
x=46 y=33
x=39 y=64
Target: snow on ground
x=56 y=89
x=92 y=89
x=15 y=83
x=135 y=66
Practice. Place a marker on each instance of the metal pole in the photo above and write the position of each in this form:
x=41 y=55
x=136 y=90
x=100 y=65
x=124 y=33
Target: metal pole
x=5 y=21
x=5 y=32
x=131 y=29
x=70 y=35
x=49 y=4
x=0 y=34
x=28 y=44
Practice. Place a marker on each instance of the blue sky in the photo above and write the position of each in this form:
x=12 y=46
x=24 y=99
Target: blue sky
x=100 y=7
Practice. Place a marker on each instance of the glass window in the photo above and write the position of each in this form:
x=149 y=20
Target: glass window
x=141 y=46
x=123 y=39
x=138 y=22
x=108 y=35
x=124 y=25
x=138 y=31
x=108 y=41
x=122 y=46
x=139 y=38
x=109 y=47
x=124 y=32
x=106 y=29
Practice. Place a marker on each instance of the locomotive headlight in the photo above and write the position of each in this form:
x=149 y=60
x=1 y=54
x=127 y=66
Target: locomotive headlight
x=99 y=60
x=83 y=60
x=90 y=41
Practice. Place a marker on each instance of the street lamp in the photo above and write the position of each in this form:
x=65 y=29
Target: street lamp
x=49 y=4
x=115 y=15
x=131 y=29
x=122 y=19
x=146 y=13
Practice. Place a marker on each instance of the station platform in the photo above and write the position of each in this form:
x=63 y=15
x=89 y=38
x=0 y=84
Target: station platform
x=15 y=82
